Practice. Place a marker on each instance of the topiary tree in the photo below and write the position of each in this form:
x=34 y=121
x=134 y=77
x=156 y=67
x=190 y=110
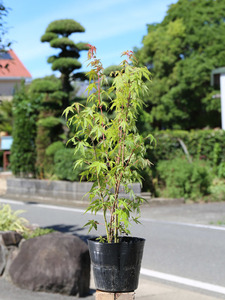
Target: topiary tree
x=66 y=62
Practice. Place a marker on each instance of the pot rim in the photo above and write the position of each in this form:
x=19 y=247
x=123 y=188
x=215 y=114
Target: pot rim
x=123 y=238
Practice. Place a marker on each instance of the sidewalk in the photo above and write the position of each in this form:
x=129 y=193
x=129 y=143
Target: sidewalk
x=148 y=289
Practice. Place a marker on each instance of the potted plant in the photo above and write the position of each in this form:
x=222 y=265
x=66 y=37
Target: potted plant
x=113 y=152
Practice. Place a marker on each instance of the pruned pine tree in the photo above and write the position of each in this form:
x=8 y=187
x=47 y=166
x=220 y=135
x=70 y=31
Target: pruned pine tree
x=58 y=34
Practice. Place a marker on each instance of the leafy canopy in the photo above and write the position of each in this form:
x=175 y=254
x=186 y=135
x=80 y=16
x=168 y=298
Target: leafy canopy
x=181 y=52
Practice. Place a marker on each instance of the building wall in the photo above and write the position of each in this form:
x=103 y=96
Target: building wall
x=7 y=87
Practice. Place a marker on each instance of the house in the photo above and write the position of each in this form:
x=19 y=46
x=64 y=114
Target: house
x=12 y=71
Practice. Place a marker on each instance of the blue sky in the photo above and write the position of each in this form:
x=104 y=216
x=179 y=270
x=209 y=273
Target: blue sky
x=113 y=26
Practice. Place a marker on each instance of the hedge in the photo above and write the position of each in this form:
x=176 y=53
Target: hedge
x=205 y=144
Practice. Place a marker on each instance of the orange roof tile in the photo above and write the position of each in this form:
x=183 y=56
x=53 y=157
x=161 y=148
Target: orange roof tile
x=11 y=66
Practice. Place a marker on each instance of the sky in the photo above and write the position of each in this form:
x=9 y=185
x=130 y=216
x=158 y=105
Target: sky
x=112 y=26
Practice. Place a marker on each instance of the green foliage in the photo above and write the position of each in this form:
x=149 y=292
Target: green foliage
x=207 y=146
x=64 y=27
x=4 y=43
x=23 y=151
x=221 y=170
x=181 y=52
x=48 y=84
x=6 y=118
x=82 y=46
x=10 y=220
x=113 y=68
x=48 y=36
x=184 y=179
x=64 y=161
x=37 y=232
x=62 y=43
x=66 y=64
x=66 y=61
x=217 y=190
x=49 y=122
x=201 y=144
x=54 y=147
x=111 y=149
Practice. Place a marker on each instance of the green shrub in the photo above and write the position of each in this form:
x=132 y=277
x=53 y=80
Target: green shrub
x=201 y=144
x=49 y=122
x=10 y=220
x=221 y=170
x=54 y=147
x=64 y=161
x=217 y=190
x=37 y=232
x=184 y=179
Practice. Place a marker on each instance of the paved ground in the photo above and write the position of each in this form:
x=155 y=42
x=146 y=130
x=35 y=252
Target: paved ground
x=147 y=290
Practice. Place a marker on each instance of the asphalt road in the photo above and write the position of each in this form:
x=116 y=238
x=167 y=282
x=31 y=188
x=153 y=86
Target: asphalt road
x=182 y=241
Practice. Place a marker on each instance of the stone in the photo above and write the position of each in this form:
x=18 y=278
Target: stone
x=56 y=262
x=10 y=238
x=3 y=258
x=12 y=253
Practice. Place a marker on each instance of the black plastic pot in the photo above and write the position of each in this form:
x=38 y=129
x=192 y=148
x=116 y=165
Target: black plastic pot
x=116 y=266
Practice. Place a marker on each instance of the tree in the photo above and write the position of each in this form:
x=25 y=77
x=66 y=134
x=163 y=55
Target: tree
x=6 y=118
x=23 y=152
x=4 y=44
x=66 y=62
x=49 y=121
x=181 y=52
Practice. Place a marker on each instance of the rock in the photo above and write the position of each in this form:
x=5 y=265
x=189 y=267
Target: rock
x=3 y=258
x=11 y=255
x=10 y=238
x=56 y=262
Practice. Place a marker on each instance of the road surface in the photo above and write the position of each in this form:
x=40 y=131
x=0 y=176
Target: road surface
x=183 y=243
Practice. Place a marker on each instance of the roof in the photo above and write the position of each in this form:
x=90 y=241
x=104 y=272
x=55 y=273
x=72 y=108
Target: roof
x=11 y=67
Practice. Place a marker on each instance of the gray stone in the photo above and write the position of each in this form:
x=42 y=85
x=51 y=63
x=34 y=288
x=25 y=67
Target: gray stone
x=56 y=262
x=10 y=238
x=11 y=255
x=3 y=258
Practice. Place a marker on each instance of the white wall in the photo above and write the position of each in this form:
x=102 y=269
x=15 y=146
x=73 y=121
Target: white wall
x=7 y=87
x=222 y=93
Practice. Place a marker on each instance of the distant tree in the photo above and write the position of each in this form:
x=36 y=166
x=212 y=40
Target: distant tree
x=6 y=117
x=181 y=52
x=4 y=44
x=49 y=121
x=66 y=62
x=23 y=150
